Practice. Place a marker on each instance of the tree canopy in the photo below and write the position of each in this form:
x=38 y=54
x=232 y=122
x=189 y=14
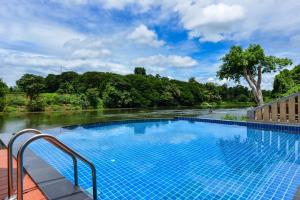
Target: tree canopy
x=140 y=70
x=32 y=85
x=287 y=82
x=130 y=91
x=250 y=64
x=3 y=92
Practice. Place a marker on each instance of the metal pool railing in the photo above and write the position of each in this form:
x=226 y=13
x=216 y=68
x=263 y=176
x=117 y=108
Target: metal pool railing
x=10 y=157
x=51 y=139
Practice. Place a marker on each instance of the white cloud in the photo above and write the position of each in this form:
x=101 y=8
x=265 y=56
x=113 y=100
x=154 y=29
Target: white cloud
x=86 y=53
x=18 y=63
x=166 y=61
x=87 y=43
x=42 y=35
x=213 y=22
x=143 y=35
x=183 y=138
x=67 y=33
x=87 y=48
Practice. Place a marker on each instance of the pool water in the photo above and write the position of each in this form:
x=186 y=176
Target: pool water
x=180 y=159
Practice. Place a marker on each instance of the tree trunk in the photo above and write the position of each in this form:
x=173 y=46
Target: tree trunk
x=255 y=86
x=260 y=97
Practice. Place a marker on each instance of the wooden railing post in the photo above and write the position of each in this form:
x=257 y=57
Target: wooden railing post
x=274 y=112
x=258 y=115
x=266 y=113
x=283 y=111
x=292 y=110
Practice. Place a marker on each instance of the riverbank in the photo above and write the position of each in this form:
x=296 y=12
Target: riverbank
x=53 y=102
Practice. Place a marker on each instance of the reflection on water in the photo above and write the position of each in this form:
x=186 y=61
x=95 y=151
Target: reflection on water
x=13 y=122
x=271 y=155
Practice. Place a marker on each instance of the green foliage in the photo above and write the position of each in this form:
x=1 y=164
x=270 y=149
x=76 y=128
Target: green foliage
x=238 y=60
x=250 y=64
x=243 y=118
x=16 y=100
x=3 y=89
x=95 y=90
x=3 y=92
x=52 y=82
x=112 y=97
x=36 y=105
x=234 y=117
x=140 y=70
x=92 y=95
x=32 y=85
x=230 y=117
x=62 y=99
x=287 y=82
x=292 y=90
x=2 y=104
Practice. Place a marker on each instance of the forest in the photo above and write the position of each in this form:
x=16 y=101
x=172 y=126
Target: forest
x=98 y=90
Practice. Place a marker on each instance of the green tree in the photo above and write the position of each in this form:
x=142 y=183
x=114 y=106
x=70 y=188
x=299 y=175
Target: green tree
x=92 y=95
x=286 y=82
x=3 y=92
x=112 y=97
x=250 y=64
x=140 y=70
x=52 y=83
x=36 y=105
x=283 y=82
x=32 y=85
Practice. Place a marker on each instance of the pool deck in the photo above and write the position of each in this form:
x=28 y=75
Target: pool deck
x=31 y=190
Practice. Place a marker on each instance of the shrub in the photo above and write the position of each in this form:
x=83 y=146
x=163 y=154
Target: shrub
x=229 y=117
x=92 y=96
x=17 y=100
x=36 y=105
x=244 y=118
x=2 y=104
x=10 y=109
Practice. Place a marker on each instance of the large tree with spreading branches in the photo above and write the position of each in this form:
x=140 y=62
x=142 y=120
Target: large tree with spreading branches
x=250 y=64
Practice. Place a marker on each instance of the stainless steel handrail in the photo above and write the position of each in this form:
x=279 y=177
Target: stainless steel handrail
x=59 y=145
x=10 y=157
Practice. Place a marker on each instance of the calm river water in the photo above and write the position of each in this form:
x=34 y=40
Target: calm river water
x=10 y=123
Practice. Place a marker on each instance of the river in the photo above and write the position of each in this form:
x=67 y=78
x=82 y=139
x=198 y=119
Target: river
x=10 y=123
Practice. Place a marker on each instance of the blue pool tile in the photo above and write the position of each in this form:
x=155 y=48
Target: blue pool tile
x=184 y=158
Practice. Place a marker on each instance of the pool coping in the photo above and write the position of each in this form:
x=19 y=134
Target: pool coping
x=294 y=128
x=51 y=183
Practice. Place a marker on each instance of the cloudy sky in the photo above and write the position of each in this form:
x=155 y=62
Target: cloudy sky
x=175 y=38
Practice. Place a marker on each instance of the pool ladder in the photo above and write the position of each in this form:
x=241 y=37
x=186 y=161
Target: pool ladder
x=51 y=139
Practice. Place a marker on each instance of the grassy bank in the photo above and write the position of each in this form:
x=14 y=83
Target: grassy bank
x=227 y=104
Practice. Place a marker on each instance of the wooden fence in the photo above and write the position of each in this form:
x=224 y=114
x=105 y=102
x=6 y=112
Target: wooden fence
x=284 y=110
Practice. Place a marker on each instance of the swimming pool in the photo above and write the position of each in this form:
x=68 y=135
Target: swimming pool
x=180 y=159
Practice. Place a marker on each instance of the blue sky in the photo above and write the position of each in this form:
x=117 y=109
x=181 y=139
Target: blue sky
x=178 y=39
